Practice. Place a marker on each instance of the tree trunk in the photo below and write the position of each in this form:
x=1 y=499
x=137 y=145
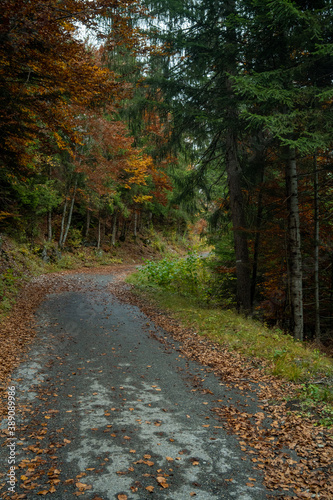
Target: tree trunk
x=150 y=220
x=294 y=240
x=69 y=216
x=49 y=215
x=316 y=251
x=99 y=234
x=49 y=226
x=233 y=167
x=63 y=222
x=256 y=248
x=238 y=223
x=114 y=229
x=123 y=233
x=88 y=222
x=135 y=224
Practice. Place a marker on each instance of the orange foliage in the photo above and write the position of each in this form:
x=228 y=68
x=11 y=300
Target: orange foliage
x=44 y=67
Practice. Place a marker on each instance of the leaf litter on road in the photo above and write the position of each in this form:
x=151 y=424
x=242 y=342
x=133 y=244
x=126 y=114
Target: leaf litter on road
x=294 y=455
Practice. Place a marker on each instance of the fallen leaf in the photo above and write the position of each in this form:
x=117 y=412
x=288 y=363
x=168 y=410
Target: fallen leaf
x=150 y=488
x=83 y=486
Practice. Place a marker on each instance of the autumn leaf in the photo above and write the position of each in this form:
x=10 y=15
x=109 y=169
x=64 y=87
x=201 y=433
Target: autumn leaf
x=83 y=486
x=162 y=481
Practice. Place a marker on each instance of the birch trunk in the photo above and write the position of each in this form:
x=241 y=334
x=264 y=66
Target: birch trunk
x=114 y=229
x=63 y=222
x=69 y=216
x=294 y=237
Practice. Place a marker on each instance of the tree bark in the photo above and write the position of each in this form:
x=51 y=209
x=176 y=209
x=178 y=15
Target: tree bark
x=114 y=229
x=63 y=222
x=256 y=248
x=238 y=223
x=233 y=168
x=123 y=233
x=49 y=214
x=135 y=223
x=88 y=222
x=69 y=216
x=294 y=239
x=99 y=234
x=316 y=251
x=49 y=226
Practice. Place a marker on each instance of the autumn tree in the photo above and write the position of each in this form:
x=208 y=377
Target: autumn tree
x=43 y=67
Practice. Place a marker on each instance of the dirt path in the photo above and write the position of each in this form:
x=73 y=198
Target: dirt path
x=108 y=406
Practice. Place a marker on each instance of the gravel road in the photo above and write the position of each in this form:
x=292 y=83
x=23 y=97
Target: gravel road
x=107 y=409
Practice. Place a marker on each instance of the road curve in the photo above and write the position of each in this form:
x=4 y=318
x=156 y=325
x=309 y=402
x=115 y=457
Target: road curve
x=106 y=409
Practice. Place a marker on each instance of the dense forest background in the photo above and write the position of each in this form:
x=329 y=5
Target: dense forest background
x=118 y=116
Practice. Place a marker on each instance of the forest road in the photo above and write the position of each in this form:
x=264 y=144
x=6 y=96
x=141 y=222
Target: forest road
x=107 y=411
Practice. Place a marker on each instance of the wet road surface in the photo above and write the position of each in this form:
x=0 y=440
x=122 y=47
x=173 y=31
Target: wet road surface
x=107 y=411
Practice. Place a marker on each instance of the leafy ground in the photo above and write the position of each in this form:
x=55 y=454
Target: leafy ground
x=294 y=449
x=108 y=408
x=21 y=293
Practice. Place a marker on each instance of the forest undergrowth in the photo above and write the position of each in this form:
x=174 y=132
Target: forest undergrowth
x=186 y=288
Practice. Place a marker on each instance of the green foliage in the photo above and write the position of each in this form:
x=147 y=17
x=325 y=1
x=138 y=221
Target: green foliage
x=186 y=276
x=317 y=393
x=7 y=282
x=74 y=239
x=279 y=353
x=318 y=397
x=38 y=196
x=191 y=276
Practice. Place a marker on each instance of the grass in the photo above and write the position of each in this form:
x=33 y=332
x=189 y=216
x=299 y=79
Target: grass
x=279 y=353
x=286 y=357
